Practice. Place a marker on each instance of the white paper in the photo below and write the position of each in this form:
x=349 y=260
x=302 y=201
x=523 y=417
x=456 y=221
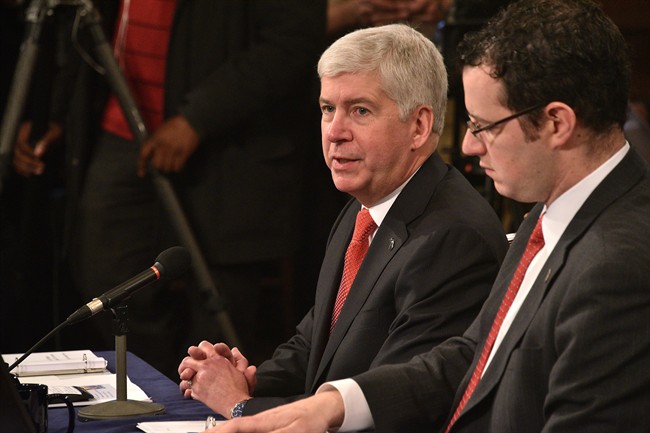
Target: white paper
x=64 y=362
x=173 y=426
x=100 y=385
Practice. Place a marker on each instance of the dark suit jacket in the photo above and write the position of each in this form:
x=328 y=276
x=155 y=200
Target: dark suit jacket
x=576 y=356
x=425 y=276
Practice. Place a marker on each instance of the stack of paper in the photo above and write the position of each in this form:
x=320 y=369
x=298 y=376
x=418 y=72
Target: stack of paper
x=102 y=386
x=47 y=363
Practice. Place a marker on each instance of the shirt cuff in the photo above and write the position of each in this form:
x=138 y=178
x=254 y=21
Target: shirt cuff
x=357 y=414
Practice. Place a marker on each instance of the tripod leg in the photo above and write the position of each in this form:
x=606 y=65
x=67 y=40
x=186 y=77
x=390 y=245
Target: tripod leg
x=36 y=13
x=163 y=187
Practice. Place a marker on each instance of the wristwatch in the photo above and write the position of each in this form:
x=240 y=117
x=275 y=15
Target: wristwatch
x=238 y=409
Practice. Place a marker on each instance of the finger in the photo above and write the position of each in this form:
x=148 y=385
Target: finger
x=239 y=359
x=202 y=351
x=207 y=348
x=157 y=160
x=181 y=366
x=145 y=157
x=250 y=374
x=197 y=353
x=222 y=349
x=40 y=147
x=187 y=373
x=177 y=163
x=193 y=365
x=25 y=169
x=25 y=162
x=24 y=132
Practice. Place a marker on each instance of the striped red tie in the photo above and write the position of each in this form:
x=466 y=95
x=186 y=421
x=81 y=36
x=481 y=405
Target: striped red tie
x=354 y=255
x=535 y=243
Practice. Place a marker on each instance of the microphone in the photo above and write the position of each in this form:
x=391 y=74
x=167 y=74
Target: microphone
x=170 y=264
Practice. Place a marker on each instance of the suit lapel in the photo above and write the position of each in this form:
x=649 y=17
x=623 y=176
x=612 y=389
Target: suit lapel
x=388 y=240
x=619 y=181
x=328 y=283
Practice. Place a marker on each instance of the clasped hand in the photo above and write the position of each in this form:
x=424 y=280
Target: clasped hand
x=217 y=376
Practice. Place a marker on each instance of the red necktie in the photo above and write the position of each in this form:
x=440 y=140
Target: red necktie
x=354 y=255
x=535 y=243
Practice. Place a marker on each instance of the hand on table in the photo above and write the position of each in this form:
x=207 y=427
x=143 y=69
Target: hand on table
x=217 y=376
x=315 y=414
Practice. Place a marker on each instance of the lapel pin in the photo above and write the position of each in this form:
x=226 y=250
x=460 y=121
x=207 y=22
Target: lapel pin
x=391 y=244
x=548 y=275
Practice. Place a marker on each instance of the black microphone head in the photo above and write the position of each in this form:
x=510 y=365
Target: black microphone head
x=173 y=262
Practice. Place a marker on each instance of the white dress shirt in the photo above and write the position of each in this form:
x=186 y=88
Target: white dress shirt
x=379 y=211
x=557 y=217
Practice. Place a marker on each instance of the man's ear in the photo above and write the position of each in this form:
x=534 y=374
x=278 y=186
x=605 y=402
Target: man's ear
x=423 y=118
x=561 y=121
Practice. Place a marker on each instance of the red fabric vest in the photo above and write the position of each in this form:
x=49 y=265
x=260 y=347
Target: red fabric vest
x=141 y=39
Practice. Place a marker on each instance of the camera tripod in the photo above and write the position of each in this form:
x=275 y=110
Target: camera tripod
x=89 y=18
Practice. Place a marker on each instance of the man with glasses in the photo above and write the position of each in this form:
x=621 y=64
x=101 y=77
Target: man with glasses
x=563 y=342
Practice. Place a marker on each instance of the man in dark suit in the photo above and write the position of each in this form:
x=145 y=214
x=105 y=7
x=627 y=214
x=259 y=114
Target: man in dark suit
x=432 y=255
x=564 y=344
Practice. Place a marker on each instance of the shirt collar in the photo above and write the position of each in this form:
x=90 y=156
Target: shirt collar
x=379 y=211
x=558 y=215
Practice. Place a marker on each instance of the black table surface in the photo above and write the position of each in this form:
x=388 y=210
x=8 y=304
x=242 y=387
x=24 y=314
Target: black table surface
x=156 y=385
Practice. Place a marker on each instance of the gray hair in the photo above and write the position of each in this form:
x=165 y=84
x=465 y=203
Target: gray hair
x=410 y=67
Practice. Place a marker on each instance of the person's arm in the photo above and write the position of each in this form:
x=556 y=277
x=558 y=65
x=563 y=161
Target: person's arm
x=357 y=415
x=316 y=414
x=285 y=40
x=397 y=393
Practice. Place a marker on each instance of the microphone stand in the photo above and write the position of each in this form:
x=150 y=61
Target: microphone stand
x=121 y=406
x=90 y=19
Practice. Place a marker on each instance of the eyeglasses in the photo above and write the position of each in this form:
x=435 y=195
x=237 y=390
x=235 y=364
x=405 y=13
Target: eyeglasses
x=476 y=129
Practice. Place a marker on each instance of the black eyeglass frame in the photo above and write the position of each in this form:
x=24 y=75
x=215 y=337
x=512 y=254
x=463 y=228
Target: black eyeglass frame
x=475 y=131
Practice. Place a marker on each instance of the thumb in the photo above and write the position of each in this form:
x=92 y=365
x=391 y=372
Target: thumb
x=251 y=378
x=145 y=155
x=40 y=147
